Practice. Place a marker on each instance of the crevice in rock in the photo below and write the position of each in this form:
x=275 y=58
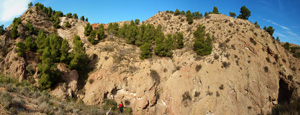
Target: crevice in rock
x=146 y=105
x=285 y=92
x=105 y=95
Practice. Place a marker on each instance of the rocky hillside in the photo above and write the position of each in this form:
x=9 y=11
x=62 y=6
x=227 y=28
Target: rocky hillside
x=248 y=72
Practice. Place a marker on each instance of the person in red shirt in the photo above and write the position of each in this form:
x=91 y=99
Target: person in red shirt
x=121 y=106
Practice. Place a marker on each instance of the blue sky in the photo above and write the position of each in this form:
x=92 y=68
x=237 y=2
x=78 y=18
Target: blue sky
x=283 y=15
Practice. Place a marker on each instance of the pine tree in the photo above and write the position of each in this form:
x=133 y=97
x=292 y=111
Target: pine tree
x=179 y=40
x=182 y=12
x=136 y=21
x=86 y=19
x=277 y=39
x=56 y=23
x=21 y=49
x=145 y=51
x=55 y=45
x=215 y=10
x=50 y=11
x=2 y=30
x=206 y=14
x=100 y=32
x=92 y=37
x=88 y=29
x=14 y=31
x=30 y=44
x=69 y=15
x=177 y=12
x=82 y=18
x=30 y=27
x=30 y=5
x=64 y=51
x=67 y=24
x=245 y=13
x=40 y=39
x=75 y=16
x=202 y=46
x=77 y=56
x=189 y=17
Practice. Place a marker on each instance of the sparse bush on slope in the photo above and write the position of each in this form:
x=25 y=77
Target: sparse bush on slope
x=232 y=14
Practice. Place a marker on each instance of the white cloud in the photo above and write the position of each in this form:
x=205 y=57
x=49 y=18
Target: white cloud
x=279 y=34
x=293 y=34
x=9 y=9
x=274 y=23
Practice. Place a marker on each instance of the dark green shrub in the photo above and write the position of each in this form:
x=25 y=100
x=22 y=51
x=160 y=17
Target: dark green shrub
x=287 y=108
x=225 y=64
x=86 y=19
x=252 y=41
x=91 y=81
x=155 y=76
x=221 y=87
x=286 y=46
x=29 y=69
x=198 y=67
x=67 y=24
x=266 y=69
x=232 y=14
x=186 y=98
x=257 y=26
x=108 y=103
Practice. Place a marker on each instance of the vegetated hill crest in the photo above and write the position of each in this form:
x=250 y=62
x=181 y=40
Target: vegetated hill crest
x=248 y=72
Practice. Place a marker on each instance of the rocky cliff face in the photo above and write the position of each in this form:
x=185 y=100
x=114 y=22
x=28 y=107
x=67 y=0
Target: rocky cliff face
x=244 y=74
x=248 y=72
